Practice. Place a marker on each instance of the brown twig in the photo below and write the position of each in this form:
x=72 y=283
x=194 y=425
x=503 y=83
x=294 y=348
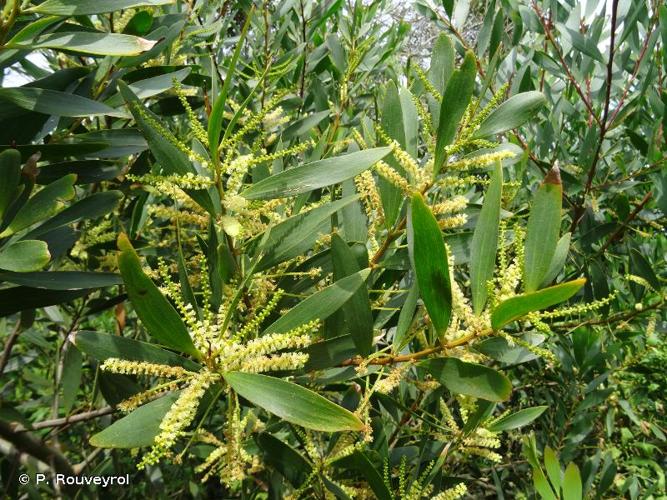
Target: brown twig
x=9 y=345
x=59 y=422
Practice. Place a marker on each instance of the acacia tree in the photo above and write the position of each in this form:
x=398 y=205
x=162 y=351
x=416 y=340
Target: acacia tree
x=255 y=244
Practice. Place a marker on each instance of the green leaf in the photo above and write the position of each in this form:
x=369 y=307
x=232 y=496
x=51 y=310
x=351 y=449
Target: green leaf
x=320 y=305
x=485 y=240
x=218 y=111
x=293 y=403
x=94 y=206
x=517 y=419
x=442 y=62
x=357 y=310
x=429 y=259
x=552 y=465
x=44 y=204
x=520 y=305
x=288 y=461
x=171 y=159
x=155 y=311
x=10 y=175
x=542 y=485
x=511 y=114
x=99 y=44
x=304 y=125
x=87 y=7
x=585 y=45
x=558 y=260
x=542 y=231
x=471 y=379
x=405 y=318
x=54 y=102
x=314 y=175
x=296 y=235
x=102 y=346
x=62 y=280
x=71 y=378
x=642 y=267
x=455 y=100
x=499 y=349
x=572 y=489
x=359 y=461
x=22 y=298
x=137 y=429
x=24 y=256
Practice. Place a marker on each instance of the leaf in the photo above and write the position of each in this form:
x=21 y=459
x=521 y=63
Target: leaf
x=516 y=307
x=10 y=175
x=24 y=256
x=171 y=159
x=405 y=318
x=320 y=305
x=485 y=240
x=442 y=62
x=499 y=349
x=314 y=175
x=558 y=260
x=87 y=7
x=552 y=465
x=296 y=235
x=288 y=461
x=54 y=102
x=357 y=310
x=517 y=419
x=99 y=44
x=542 y=231
x=62 y=280
x=71 y=378
x=572 y=483
x=101 y=346
x=471 y=379
x=429 y=259
x=329 y=352
x=293 y=403
x=642 y=267
x=45 y=203
x=91 y=207
x=542 y=485
x=21 y=298
x=137 y=429
x=511 y=114
x=218 y=111
x=455 y=100
x=156 y=313
x=359 y=461
x=304 y=125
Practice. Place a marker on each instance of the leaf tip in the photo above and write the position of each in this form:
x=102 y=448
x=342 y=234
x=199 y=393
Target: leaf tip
x=553 y=176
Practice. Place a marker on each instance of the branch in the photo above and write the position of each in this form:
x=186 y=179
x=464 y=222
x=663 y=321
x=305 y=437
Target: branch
x=59 y=422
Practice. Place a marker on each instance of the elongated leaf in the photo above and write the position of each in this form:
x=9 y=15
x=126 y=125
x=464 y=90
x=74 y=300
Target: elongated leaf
x=357 y=310
x=405 y=318
x=87 y=7
x=511 y=114
x=23 y=256
x=45 y=203
x=517 y=307
x=102 y=346
x=485 y=240
x=320 y=305
x=429 y=259
x=218 y=111
x=542 y=485
x=288 y=461
x=359 y=461
x=10 y=175
x=23 y=298
x=137 y=429
x=99 y=44
x=304 y=125
x=91 y=207
x=517 y=419
x=156 y=313
x=552 y=465
x=471 y=379
x=62 y=280
x=314 y=175
x=558 y=260
x=542 y=231
x=53 y=102
x=442 y=62
x=297 y=234
x=293 y=403
x=171 y=159
x=455 y=100
x=572 y=489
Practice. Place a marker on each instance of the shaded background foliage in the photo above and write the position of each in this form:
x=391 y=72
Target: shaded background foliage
x=601 y=67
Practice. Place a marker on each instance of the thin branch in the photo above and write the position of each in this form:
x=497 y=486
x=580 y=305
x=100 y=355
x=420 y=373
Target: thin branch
x=59 y=422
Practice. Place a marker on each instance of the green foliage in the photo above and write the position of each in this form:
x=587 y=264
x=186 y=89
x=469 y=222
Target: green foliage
x=286 y=250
